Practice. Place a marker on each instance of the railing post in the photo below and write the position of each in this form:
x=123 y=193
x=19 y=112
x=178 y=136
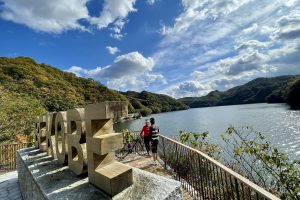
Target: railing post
x=164 y=152
x=237 y=188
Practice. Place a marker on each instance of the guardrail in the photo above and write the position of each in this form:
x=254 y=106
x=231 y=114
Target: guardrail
x=8 y=155
x=205 y=178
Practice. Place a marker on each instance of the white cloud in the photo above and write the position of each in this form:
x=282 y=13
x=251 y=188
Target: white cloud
x=289 y=2
x=251 y=29
x=117 y=36
x=112 y=50
x=199 y=10
x=130 y=71
x=57 y=16
x=124 y=65
x=288 y=27
x=266 y=30
x=244 y=63
x=189 y=89
x=253 y=44
x=197 y=74
x=138 y=83
x=191 y=86
x=229 y=43
x=77 y=70
x=151 y=2
x=127 y=83
x=155 y=77
x=114 y=12
x=53 y=16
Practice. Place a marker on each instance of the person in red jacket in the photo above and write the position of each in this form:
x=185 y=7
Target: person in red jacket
x=146 y=134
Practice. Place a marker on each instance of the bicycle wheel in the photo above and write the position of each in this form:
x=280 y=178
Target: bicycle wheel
x=140 y=148
x=122 y=153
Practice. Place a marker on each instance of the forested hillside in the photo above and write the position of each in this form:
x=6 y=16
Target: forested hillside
x=293 y=94
x=55 y=89
x=260 y=90
x=290 y=94
x=149 y=102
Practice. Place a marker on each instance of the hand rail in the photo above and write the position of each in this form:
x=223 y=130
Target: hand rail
x=8 y=155
x=213 y=174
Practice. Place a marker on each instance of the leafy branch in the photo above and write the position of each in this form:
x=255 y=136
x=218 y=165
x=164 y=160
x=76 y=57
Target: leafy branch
x=276 y=172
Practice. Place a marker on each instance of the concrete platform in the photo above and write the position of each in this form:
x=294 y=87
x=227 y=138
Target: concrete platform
x=146 y=163
x=9 y=187
x=41 y=177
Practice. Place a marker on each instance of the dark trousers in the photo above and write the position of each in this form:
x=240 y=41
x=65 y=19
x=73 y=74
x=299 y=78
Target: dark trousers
x=154 y=145
x=147 y=143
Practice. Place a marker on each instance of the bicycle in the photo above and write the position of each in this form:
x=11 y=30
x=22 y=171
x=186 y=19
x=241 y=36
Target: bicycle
x=137 y=145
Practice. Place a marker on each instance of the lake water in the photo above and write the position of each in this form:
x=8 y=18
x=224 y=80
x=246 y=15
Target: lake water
x=277 y=122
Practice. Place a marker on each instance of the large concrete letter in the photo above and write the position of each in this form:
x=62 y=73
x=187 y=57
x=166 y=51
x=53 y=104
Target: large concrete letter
x=77 y=155
x=42 y=130
x=103 y=171
x=50 y=135
x=61 y=137
x=37 y=132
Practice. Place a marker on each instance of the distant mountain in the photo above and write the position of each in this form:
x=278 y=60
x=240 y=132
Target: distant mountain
x=260 y=90
x=149 y=102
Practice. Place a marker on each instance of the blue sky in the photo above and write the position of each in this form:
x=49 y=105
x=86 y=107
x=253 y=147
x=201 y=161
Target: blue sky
x=176 y=47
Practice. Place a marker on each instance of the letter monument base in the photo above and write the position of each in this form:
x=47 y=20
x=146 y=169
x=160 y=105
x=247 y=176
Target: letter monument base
x=113 y=178
x=42 y=177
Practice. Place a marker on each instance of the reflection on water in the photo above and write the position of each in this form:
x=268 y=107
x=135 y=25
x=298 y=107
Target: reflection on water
x=280 y=125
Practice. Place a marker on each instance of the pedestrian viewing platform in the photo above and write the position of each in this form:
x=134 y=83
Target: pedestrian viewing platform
x=9 y=187
x=201 y=176
x=146 y=163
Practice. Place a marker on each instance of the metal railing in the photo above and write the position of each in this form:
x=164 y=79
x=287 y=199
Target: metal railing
x=8 y=155
x=205 y=178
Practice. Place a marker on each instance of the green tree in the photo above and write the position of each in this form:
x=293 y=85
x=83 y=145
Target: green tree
x=17 y=114
x=252 y=156
x=199 y=141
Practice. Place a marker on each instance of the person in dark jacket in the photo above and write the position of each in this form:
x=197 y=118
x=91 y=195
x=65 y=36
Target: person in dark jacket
x=154 y=132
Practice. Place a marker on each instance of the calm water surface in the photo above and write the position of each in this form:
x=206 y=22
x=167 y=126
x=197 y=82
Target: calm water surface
x=280 y=125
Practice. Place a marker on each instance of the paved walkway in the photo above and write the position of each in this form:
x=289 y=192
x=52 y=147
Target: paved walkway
x=9 y=186
x=146 y=163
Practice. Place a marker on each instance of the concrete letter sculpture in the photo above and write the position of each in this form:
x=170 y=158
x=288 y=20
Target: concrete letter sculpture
x=37 y=132
x=41 y=129
x=77 y=158
x=61 y=137
x=50 y=135
x=103 y=171
x=84 y=138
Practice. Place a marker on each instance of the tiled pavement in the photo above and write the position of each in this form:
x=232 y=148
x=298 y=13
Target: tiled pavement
x=146 y=164
x=9 y=186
